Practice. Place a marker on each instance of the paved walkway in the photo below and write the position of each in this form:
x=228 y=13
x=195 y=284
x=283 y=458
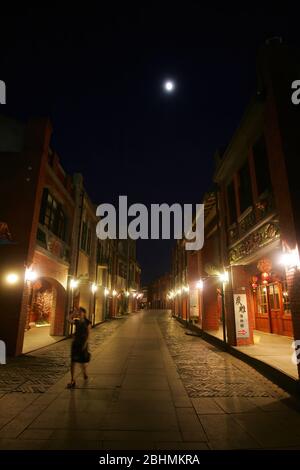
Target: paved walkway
x=151 y=386
x=38 y=337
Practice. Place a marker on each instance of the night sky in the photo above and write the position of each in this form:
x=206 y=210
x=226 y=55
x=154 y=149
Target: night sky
x=98 y=75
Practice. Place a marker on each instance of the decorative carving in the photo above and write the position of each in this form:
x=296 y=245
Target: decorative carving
x=247 y=222
x=256 y=240
x=233 y=234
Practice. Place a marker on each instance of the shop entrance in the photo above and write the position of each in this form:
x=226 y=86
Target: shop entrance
x=272 y=309
x=45 y=313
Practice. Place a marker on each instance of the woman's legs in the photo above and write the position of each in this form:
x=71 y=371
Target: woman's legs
x=72 y=371
x=84 y=370
x=72 y=383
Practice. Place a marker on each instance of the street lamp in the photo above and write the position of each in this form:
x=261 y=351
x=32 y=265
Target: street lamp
x=94 y=288
x=11 y=278
x=30 y=275
x=290 y=259
x=74 y=284
x=199 y=284
x=224 y=277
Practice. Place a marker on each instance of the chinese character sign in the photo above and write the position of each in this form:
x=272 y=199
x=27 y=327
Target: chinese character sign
x=241 y=316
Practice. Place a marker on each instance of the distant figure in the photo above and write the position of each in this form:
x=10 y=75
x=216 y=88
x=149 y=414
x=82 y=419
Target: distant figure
x=79 y=349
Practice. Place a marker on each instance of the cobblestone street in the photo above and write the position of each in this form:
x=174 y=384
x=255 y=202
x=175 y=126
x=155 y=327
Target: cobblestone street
x=36 y=372
x=208 y=372
x=151 y=386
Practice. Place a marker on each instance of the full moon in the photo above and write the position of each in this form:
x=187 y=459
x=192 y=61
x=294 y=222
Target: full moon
x=169 y=85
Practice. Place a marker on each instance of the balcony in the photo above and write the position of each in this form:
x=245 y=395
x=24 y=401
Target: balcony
x=251 y=217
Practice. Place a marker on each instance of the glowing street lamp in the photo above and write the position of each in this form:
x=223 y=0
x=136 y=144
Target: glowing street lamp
x=106 y=291
x=199 y=284
x=11 y=278
x=290 y=259
x=94 y=288
x=30 y=275
x=114 y=292
x=224 y=277
x=74 y=283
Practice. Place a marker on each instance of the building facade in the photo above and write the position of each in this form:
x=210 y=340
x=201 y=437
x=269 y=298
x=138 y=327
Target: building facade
x=247 y=273
x=51 y=259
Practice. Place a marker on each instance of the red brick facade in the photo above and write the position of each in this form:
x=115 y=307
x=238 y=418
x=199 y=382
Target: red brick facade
x=251 y=218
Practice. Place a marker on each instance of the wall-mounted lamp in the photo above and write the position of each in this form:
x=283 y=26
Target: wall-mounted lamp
x=224 y=277
x=11 y=278
x=74 y=283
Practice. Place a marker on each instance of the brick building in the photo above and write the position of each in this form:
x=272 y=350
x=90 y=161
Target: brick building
x=51 y=259
x=248 y=270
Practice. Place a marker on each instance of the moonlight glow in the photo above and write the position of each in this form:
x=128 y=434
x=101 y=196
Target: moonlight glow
x=169 y=86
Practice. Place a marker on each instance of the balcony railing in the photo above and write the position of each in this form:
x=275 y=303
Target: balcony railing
x=256 y=213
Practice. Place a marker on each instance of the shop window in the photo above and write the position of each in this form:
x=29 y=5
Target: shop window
x=231 y=203
x=245 y=190
x=262 y=300
x=261 y=164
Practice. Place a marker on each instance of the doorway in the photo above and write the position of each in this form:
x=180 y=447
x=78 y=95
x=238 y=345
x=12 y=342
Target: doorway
x=272 y=309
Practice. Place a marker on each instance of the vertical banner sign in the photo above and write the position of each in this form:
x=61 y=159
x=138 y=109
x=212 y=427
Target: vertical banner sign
x=194 y=304
x=241 y=316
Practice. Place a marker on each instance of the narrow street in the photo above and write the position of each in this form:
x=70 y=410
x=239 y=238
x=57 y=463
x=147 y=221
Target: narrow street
x=151 y=386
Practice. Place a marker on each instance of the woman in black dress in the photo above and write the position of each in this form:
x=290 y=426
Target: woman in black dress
x=79 y=349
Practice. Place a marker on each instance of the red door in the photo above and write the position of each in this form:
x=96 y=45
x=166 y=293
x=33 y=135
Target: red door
x=275 y=308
